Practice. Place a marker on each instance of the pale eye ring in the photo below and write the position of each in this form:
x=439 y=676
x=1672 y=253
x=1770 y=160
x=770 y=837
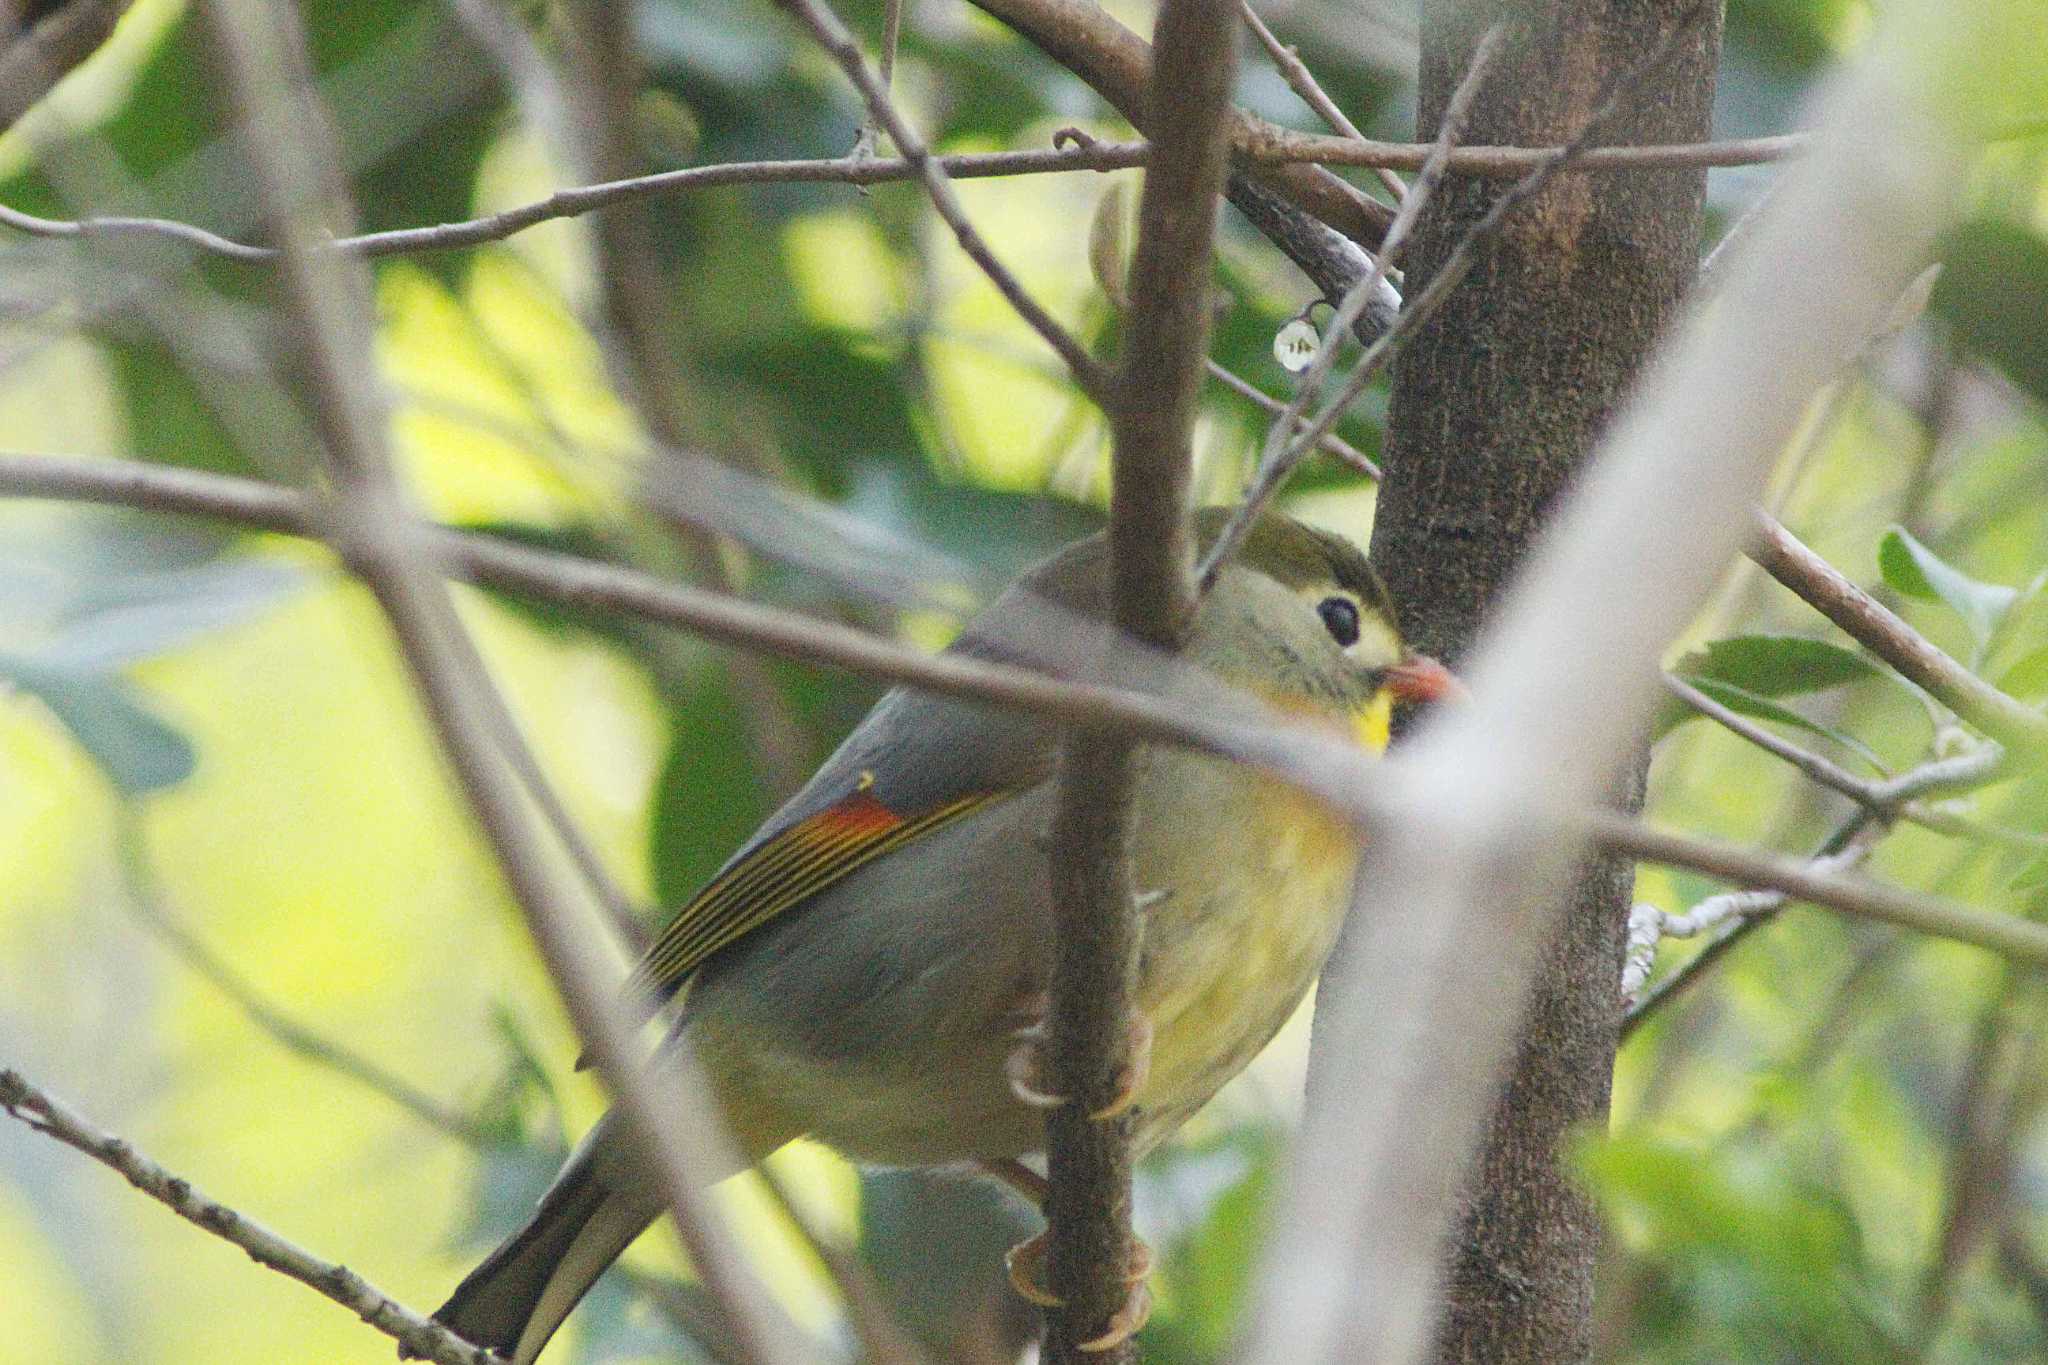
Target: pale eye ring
x=1340 y=618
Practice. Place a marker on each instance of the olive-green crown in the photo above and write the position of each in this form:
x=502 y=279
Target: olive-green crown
x=1299 y=556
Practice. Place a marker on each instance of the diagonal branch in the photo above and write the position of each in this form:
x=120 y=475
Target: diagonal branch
x=1459 y=897
x=414 y=1333
x=1290 y=438
x=32 y=62
x=832 y=35
x=1218 y=721
x=1312 y=93
x=1878 y=629
x=328 y=306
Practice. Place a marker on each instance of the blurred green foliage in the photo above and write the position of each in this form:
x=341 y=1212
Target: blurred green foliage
x=1832 y=1152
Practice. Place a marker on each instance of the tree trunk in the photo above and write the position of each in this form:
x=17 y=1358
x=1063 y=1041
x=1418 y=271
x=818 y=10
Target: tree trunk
x=1495 y=404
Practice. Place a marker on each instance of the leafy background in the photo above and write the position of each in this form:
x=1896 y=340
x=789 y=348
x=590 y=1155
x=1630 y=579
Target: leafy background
x=1832 y=1151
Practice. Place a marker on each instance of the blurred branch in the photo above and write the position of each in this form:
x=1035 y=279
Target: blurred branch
x=145 y=897
x=1878 y=629
x=1225 y=723
x=1329 y=441
x=33 y=60
x=414 y=1333
x=1154 y=398
x=1312 y=93
x=832 y=35
x=1459 y=896
x=883 y=1340
x=1290 y=438
x=639 y=335
x=296 y=168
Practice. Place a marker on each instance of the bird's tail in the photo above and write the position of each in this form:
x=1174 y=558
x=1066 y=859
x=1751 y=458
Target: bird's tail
x=515 y=1300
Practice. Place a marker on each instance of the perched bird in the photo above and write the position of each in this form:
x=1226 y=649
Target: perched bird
x=871 y=968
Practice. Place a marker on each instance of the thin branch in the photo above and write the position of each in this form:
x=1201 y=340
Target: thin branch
x=1304 y=83
x=831 y=34
x=1879 y=798
x=885 y=68
x=1963 y=772
x=295 y=163
x=1880 y=630
x=146 y=899
x=1330 y=441
x=1211 y=720
x=419 y=1335
x=574 y=202
x=2022 y=940
x=1154 y=397
x=1275 y=144
x=32 y=62
x=1289 y=438
x=1117 y=64
x=1650 y=925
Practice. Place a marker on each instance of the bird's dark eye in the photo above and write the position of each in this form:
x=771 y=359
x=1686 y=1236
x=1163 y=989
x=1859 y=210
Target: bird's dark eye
x=1340 y=616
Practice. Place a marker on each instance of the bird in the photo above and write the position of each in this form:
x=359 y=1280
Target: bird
x=870 y=969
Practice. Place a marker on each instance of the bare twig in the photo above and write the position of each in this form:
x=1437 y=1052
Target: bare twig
x=1083 y=37
x=32 y=62
x=1648 y=925
x=145 y=897
x=1312 y=93
x=1284 y=144
x=1154 y=397
x=577 y=201
x=1288 y=439
x=1880 y=798
x=1331 y=442
x=295 y=164
x=831 y=34
x=1878 y=629
x=1212 y=718
x=415 y=1333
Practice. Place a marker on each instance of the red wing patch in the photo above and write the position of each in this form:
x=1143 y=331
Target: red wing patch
x=796 y=864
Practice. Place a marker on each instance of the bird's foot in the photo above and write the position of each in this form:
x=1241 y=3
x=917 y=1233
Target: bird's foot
x=1026 y=1264
x=1027 y=1068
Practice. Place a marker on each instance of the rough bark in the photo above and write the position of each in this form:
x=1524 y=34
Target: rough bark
x=1495 y=404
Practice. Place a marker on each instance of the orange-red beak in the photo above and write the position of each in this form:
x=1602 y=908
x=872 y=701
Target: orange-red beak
x=1419 y=678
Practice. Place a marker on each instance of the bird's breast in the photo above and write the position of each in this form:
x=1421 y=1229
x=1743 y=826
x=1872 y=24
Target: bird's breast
x=1257 y=878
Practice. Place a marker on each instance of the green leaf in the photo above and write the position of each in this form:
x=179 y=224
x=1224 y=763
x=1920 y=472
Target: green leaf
x=1916 y=571
x=1748 y=703
x=1993 y=293
x=2027 y=679
x=707 y=798
x=138 y=752
x=1742 y=671
x=1777 y=665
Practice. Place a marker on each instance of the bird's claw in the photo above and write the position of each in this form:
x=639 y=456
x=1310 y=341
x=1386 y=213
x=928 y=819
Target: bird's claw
x=1026 y=1264
x=1026 y=1068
